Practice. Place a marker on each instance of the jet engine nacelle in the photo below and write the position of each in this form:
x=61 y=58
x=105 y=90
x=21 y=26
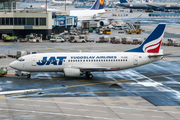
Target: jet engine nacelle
x=104 y=22
x=72 y=72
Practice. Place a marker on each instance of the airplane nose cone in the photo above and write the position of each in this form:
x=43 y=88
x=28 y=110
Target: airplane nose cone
x=12 y=65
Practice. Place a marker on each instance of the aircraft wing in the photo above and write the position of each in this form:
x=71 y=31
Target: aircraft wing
x=153 y=6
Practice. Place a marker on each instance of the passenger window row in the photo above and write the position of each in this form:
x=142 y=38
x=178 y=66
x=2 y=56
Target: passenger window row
x=102 y=60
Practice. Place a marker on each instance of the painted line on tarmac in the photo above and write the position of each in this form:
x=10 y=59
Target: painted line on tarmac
x=53 y=113
x=91 y=105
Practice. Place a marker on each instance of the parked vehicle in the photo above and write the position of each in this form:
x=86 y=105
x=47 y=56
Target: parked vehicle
x=57 y=39
x=7 y=38
x=78 y=38
x=3 y=71
x=35 y=37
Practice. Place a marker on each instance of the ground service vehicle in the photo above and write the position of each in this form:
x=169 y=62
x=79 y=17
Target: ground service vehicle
x=3 y=71
x=35 y=37
x=57 y=39
x=107 y=31
x=7 y=38
x=77 y=38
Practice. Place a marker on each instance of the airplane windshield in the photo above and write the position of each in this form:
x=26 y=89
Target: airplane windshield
x=20 y=59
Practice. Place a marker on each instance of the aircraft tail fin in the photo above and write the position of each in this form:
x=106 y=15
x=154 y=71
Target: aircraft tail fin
x=149 y=0
x=153 y=42
x=98 y=4
x=123 y=1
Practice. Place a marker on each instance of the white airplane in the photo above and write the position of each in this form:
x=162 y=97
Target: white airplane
x=76 y=64
x=96 y=11
x=61 y=2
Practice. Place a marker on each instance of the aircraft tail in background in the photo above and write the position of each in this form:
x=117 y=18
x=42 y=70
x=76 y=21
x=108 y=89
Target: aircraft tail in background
x=98 y=4
x=123 y=1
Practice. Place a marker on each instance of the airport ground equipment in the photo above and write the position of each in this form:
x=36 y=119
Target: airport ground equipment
x=22 y=40
x=107 y=31
x=118 y=25
x=91 y=30
x=177 y=44
x=137 y=41
x=126 y=40
x=99 y=31
x=35 y=37
x=3 y=71
x=2 y=56
x=22 y=53
x=103 y=39
x=169 y=42
x=57 y=39
x=90 y=40
x=20 y=73
x=77 y=38
x=7 y=38
x=115 y=40
x=133 y=30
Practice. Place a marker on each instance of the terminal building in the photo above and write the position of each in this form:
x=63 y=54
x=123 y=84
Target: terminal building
x=22 y=22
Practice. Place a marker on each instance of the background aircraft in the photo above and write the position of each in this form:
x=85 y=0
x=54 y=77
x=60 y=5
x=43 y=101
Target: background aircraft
x=150 y=5
x=96 y=11
x=76 y=64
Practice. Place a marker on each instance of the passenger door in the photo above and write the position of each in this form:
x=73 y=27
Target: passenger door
x=135 y=60
x=33 y=62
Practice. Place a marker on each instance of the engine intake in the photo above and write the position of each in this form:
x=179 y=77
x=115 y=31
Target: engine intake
x=104 y=22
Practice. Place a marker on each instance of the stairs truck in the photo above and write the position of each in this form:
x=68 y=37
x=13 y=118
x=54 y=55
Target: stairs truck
x=132 y=30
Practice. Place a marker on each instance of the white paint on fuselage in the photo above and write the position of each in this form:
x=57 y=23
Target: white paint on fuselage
x=123 y=60
x=86 y=14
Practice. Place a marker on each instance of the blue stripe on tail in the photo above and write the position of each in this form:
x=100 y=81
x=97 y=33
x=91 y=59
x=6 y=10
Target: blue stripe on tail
x=148 y=43
x=98 y=4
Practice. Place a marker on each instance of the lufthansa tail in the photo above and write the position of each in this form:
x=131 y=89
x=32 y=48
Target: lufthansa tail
x=153 y=43
x=123 y=1
x=98 y=4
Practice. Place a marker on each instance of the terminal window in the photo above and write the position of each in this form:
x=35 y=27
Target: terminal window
x=42 y=21
x=30 y=21
x=23 y=21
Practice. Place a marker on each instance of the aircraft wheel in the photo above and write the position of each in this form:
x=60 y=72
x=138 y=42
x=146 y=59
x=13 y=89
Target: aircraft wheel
x=28 y=75
x=90 y=76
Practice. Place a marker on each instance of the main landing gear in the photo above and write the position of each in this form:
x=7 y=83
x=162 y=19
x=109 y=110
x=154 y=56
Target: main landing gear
x=89 y=75
x=28 y=75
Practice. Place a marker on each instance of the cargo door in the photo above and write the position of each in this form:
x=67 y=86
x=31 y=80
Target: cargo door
x=135 y=60
x=33 y=62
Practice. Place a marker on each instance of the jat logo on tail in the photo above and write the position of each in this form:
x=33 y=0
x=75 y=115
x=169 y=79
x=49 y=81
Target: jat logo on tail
x=152 y=47
x=101 y=2
x=153 y=43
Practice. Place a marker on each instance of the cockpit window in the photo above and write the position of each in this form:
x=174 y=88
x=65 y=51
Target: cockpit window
x=20 y=59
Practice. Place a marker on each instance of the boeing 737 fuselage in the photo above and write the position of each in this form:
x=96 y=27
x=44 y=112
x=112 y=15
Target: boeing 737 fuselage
x=76 y=64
